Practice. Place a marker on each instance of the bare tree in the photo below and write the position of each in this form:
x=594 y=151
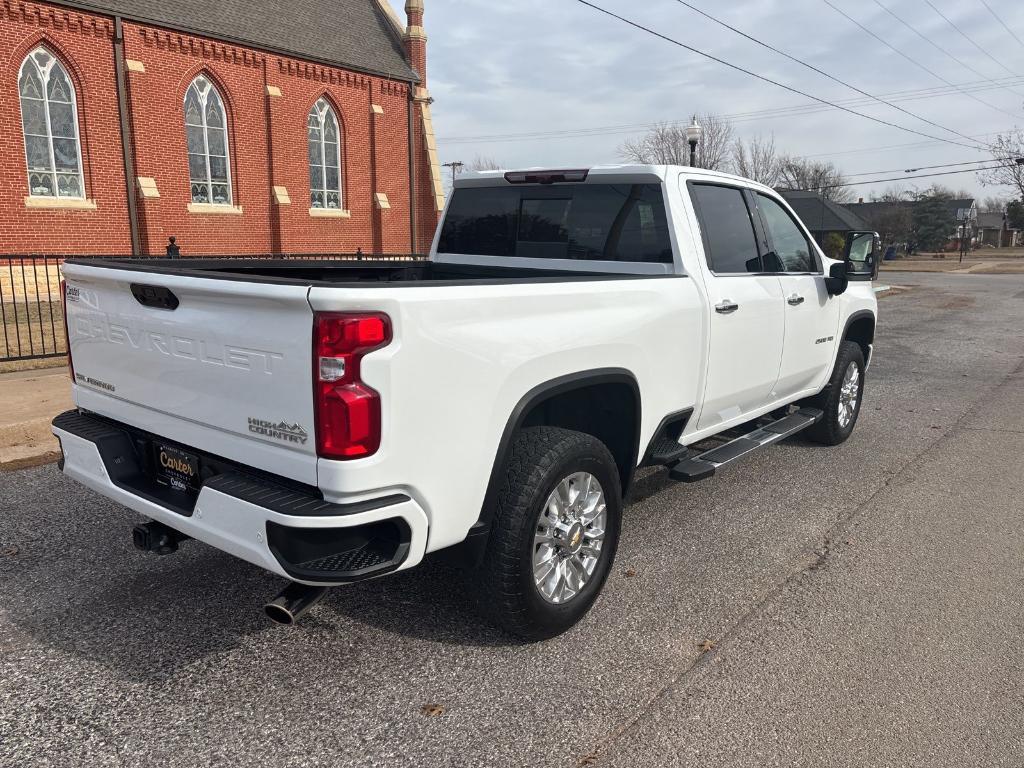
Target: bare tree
x=485 y=163
x=994 y=204
x=665 y=144
x=1007 y=149
x=824 y=178
x=893 y=222
x=895 y=194
x=756 y=159
x=945 y=193
x=715 y=142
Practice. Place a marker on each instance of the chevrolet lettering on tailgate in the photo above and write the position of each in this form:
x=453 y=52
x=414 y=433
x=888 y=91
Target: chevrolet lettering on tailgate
x=95 y=325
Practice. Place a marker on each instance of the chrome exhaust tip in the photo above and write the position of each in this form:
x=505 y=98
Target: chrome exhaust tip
x=293 y=602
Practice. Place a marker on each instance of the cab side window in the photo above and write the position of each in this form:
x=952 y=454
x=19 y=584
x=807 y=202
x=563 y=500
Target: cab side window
x=726 y=228
x=791 y=250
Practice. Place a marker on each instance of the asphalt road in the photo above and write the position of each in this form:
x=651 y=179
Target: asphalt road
x=864 y=606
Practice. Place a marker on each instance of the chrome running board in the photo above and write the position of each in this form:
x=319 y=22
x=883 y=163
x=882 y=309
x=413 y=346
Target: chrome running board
x=703 y=466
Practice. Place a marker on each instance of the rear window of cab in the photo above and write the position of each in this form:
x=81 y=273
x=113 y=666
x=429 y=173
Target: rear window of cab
x=588 y=222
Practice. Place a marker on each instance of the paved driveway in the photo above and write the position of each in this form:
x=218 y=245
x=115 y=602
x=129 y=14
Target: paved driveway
x=863 y=606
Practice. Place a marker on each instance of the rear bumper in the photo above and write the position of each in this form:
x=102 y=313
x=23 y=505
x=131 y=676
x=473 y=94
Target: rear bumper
x=286 y=531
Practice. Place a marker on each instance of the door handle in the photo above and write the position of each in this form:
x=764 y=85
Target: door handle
x=726 y=307
x=795 y=300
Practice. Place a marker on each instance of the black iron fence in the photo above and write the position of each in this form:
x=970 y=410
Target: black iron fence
x=32 y=309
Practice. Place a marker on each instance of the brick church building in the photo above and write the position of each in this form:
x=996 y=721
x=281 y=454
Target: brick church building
x=236 y=126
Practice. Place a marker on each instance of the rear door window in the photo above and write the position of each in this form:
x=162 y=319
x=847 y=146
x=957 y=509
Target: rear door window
x=588 y=222
x=727 y=229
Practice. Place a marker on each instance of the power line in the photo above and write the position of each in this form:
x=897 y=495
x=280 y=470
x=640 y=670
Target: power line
x=996 y=17
x=736 y=117
x=913 y=61
x=738 y=68
x=906 y=95
x=903 y=178
x=929 y=167
x=937 y=47
x=862 y=150
x=820 y=71
x=968 y=39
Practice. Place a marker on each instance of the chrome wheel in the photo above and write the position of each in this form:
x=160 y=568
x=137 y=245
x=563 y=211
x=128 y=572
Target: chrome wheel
x=569 y=537
x=849 y=394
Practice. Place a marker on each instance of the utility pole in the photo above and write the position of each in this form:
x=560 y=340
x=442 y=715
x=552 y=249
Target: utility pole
x=456 y=166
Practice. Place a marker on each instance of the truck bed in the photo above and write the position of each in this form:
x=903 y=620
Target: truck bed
x=217 y=353
x=341 y=273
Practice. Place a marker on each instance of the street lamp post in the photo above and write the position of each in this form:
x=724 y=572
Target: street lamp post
x=693 y=138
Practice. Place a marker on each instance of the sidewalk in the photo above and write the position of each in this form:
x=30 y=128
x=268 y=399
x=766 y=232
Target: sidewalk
x=28 y=402
x=953 y=264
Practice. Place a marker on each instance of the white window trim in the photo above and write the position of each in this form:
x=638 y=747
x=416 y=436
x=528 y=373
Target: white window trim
x=42 y=202
x=45 y=77
x=321 y=114
x=206 y=144
x=217 y=209
x=330 y=213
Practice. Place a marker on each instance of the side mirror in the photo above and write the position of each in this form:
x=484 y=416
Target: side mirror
x=861 y=255
x=838 y=280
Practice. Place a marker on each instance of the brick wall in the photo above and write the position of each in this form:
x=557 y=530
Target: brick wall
x=84 y=43
x=266 y=134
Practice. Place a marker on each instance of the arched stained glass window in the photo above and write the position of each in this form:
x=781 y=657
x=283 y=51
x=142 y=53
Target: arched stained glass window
x=49 y=121
x=206 y=131
x=324 y=157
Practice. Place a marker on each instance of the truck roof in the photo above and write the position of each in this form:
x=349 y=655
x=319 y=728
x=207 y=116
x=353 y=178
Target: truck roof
x=616 y=172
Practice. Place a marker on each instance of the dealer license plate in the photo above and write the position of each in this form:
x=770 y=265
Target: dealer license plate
x=176 y=469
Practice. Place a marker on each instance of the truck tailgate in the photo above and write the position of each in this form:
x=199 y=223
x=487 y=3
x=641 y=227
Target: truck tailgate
x=227 y=369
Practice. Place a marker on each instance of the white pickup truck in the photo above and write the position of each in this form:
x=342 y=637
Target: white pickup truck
x=336 y=421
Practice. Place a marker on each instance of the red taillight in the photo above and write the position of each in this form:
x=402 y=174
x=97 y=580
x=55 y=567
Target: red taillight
x=348 y=421
x=67 y=335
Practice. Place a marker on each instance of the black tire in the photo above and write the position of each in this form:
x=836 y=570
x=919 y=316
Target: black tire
x=830 y=430
x=540 y=458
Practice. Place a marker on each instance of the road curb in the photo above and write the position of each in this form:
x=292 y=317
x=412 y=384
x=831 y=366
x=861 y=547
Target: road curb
x=30 y=401
x=881 y=291
x=27 y=462
x=27 y=444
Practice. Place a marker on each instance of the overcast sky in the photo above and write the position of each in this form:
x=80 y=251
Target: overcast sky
x=497 y=69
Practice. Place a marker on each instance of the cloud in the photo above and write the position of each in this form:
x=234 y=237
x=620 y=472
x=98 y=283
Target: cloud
x=544 y=66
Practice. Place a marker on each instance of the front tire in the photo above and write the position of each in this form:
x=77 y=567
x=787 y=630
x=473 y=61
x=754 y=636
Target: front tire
x=555 y=532
x=841 y=399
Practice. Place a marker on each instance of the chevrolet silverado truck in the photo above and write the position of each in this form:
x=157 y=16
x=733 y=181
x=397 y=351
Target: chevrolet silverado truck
x=336 y=421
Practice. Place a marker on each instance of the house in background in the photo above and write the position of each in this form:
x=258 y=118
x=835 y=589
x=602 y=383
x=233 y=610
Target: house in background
x=824 y=217
x=239 y=127
x=994 y=230
x=893 y=220
x=960 y=208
